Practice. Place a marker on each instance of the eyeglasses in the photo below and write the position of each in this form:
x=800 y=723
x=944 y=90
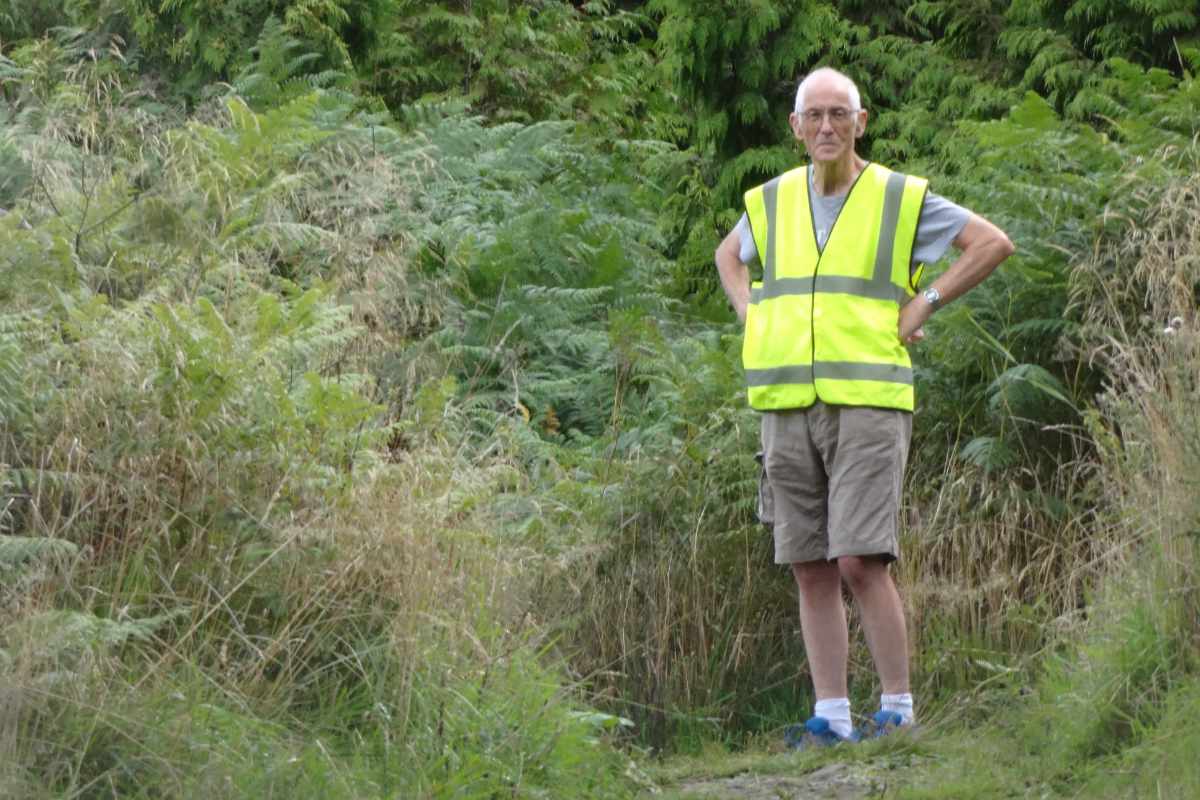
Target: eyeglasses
x=837 y=115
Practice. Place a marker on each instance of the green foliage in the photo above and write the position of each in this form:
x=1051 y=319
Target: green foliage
x=547 y=236
x=509 y=60
x=733 y=63
x=1160 y=761
x=1121 y=689
x=16 y=407
x=964 y=29
x=189 y=418
x=29 y=562
x=1058 y=188
x=18 y=551
x=143 y=743
x=1139 y=30
x=624 y=418
x=512 y=60
x=69 y=640
x=281 y=70
x=22 y=19
x=238 y=386
x=200 y=42
x=1055 y=65
x=128 y=286
x=509 y=731
x=1061 y=48
x=1113 y=696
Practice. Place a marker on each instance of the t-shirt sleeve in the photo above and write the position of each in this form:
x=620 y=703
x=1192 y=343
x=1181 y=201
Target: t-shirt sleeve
x=748 y=254
x=940 y=222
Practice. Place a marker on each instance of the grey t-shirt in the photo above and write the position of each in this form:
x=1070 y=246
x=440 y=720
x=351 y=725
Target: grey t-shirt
x=940 y=221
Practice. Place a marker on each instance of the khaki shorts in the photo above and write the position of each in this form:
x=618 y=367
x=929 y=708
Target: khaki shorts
x=834 y=475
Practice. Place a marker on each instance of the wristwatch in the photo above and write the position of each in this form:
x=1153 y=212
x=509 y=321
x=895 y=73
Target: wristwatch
x=933 y=297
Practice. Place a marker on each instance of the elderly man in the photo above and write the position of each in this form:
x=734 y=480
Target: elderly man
x=840 y=242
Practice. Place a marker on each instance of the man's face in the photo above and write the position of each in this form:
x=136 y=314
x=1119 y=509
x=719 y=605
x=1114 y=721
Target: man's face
x=828 y=125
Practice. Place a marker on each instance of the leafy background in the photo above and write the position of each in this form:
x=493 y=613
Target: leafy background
x=371 y=419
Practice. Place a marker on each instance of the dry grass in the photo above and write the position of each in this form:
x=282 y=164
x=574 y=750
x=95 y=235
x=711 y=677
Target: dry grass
x=1151 y=431
x=690 y=636
x=993 y=556
x=379 y=615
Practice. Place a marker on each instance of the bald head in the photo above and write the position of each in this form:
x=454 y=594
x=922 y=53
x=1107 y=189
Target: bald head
x=828 y=75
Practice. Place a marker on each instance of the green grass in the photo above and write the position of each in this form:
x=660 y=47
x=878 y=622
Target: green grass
x=1007 y=749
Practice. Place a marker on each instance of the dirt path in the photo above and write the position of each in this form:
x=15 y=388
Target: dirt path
x=783 y=776
x=834 y=781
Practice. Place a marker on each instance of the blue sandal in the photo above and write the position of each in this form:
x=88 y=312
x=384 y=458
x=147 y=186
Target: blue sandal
x=884 y=722
x=815 y=733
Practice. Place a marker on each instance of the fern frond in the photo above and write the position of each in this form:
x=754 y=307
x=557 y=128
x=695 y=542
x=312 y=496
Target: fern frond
x=16 y=552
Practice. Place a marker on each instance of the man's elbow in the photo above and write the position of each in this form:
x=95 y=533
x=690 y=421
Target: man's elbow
x=995 y=247
x=1004 y=246
x=725 y=250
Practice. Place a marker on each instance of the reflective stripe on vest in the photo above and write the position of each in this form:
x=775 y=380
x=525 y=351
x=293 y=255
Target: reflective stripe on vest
x=823 y=325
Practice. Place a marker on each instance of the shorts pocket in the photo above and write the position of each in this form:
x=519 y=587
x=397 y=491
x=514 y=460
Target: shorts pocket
x=765 y=508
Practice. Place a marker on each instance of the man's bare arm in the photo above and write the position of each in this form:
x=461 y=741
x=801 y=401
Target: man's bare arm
x=735 y=277
x=983 y=246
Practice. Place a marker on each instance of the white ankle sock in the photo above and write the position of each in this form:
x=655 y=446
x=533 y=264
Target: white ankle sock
x=902 y=704
x=837 y=711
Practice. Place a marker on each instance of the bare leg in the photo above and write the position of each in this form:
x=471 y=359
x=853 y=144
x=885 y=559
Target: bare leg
x=871 y=583
x=823 y=624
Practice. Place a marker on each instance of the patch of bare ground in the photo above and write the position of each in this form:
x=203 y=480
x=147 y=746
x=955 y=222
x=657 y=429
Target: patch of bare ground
x=831 y=782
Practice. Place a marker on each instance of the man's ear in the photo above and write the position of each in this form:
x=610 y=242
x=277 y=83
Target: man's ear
x=794 y=124
x=860 y=124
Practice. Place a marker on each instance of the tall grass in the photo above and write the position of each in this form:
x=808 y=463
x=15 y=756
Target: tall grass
x=360 y=656
x=228 y=570
x=993 y=564
x=1108 y=709
x=1152 y=435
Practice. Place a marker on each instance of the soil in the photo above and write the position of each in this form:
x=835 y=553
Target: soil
x=833 y=781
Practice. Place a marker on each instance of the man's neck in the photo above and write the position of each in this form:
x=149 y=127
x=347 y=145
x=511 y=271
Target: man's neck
x=836 y=177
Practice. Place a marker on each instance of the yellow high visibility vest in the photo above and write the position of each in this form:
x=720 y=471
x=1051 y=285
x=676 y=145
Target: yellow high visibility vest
x=823 y=325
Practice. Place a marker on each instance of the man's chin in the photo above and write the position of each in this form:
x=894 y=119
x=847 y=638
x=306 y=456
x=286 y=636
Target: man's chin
x=827 y=155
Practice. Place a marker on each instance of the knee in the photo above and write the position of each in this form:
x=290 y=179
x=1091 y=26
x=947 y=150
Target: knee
x=861 y=573
x=816 y=576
